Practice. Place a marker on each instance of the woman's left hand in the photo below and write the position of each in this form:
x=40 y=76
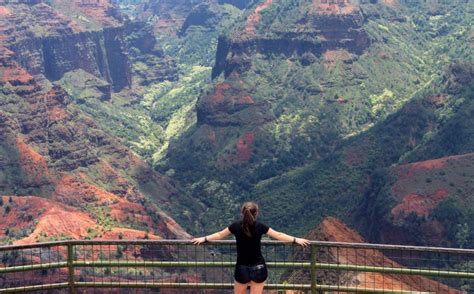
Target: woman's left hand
x=198 y=241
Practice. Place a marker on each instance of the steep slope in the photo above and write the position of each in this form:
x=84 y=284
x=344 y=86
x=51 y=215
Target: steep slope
x=102 y=58
x=49 y=42
x=430 y=196
x=333 y=230
x=430 y=200
x=50 y=148
x=295 y=83
x=348 y=183
x=176 y=16
x=34 y=219
x=171 y=46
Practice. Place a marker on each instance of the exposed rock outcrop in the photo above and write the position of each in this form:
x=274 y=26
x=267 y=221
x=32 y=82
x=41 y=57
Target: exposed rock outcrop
x=47 y=42
x=319 y=33
x=49 y=148
x=171 y=13
x=203 y=15
x=333 y=230
x=230 y=105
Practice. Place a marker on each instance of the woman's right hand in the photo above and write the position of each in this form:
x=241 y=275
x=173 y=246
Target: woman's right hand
x=302 y=242
x=198 y=241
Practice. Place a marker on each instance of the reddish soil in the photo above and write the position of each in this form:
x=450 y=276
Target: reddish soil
x=341 y=100
x=127 y=234
x=32 y=163
x=246 y=99
x=244 y=147
x=47 y=217
x=219 y=93
x=110 y=184
x=73 y=189
x=334 y=230
x=331 y=57
x=60 y=220
x=16 y=76
x=126 y=211
x=334 y=6
x=168 y=25
x=5 y=53
x=58 y=113
x=254 y=17
x=421 y=205
x=52 y=219
x=98 y=10
x=31 y=209
x=4 y=11
x=409 y=170
x=429 y=164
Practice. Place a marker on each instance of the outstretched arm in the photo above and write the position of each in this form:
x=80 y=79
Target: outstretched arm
x=216 y=236
x=287 y=238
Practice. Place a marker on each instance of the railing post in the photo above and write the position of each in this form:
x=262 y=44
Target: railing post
x=313 y=268
x=70 y=266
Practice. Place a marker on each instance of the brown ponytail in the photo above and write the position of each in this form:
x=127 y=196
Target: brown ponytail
x=249 y=212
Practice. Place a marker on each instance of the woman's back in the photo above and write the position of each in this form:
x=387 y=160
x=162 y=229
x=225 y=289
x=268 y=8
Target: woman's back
x=248 y=247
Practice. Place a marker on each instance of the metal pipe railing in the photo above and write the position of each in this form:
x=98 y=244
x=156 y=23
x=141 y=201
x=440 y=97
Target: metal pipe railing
x=326 y=267
x=231 y=242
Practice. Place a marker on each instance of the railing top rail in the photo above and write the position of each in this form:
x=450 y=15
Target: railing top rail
x=35 y=245
x=231 y=242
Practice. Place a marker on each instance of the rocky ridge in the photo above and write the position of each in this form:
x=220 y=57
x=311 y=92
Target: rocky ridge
x=50 y=148
x=333 y=230
x=49 y=42
x=61 y=154
x=320 y=120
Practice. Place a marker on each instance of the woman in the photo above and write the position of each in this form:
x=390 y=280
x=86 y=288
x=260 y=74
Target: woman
x=250 y=269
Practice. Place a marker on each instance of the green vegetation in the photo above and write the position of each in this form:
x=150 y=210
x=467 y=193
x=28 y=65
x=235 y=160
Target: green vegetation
x=312 y=119
x=332 y=119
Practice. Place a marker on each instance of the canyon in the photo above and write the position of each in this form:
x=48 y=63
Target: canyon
x=56 y=160
x=111 y=114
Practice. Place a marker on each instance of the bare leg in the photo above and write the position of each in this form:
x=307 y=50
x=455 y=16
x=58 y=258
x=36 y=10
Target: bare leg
x=240 y=288
x=256 y=288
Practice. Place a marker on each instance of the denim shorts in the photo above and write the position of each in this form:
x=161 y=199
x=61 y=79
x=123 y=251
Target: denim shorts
x=246 y=273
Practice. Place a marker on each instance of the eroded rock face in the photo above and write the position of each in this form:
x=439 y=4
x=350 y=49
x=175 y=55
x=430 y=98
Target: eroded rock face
x=171 y=13
x=229 y=105
x=145 y=50
x=49 y=148
x=201 y=15
x=319 y=31
x=49 y=43
x=333 y=230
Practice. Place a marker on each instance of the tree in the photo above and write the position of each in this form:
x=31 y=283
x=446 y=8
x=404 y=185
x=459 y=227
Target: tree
x=462 y=235
x=119 y=253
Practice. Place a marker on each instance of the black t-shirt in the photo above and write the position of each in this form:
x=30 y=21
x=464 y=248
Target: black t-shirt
x=248 y=248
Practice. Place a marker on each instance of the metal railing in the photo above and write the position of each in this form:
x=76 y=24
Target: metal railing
x=178 y=264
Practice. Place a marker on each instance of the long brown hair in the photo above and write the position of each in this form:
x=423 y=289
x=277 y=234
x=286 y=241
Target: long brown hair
x=249 y=212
